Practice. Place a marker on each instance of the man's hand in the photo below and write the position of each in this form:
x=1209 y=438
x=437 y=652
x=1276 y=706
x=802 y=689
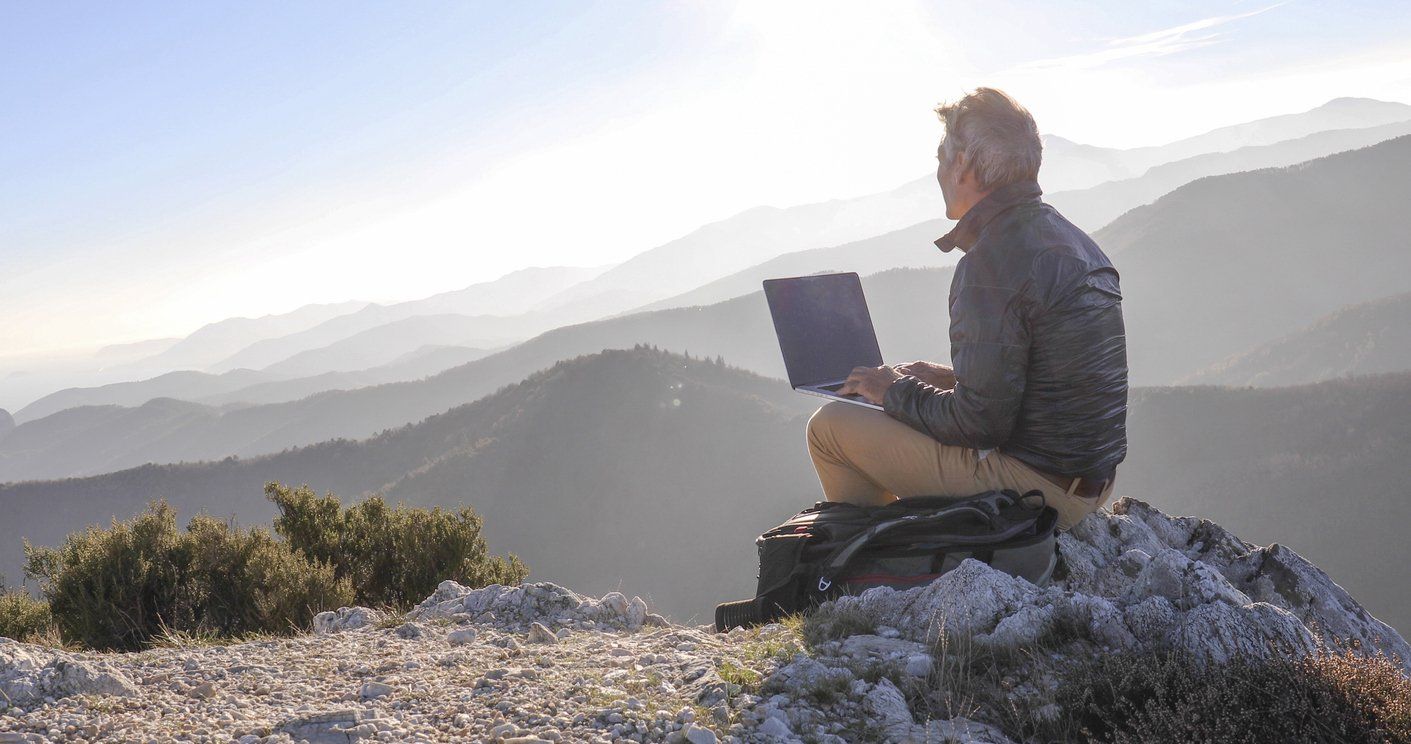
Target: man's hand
x=869 y=382
x=936 y=375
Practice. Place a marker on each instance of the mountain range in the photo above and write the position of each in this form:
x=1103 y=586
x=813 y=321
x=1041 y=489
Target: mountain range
x=1365 y=339
x=342 y=352
x=1213 y=269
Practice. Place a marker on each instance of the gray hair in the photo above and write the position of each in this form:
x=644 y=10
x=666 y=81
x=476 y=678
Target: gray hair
x=998 y=136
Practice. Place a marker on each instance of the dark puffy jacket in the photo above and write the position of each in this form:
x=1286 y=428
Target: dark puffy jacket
x=1037 y=342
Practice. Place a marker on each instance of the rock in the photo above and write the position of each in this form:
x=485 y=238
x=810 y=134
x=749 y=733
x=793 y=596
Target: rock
x=698 y=735
x=540 y=633
x=409 y=631
x=29 y=674
x=636 y=613
x=1136 y=580
x=970 y=599
x=919 y=665
x=774 y=729
x=461 y=637
x=331 y=727
x=345 y=619
x=202 y=691
x=616 y=602
x=887 y=706
x=374 y=690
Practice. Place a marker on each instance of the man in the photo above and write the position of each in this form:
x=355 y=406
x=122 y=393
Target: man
x=1037 y=398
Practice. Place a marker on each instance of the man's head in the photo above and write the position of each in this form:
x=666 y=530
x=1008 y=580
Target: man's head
x=991 y=141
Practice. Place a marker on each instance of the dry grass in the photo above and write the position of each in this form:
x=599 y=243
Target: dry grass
x=1330 y=696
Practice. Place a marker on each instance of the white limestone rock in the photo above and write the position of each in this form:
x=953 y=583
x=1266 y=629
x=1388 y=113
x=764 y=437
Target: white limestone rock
x=31 y=673
x=1138 y=580
x=886 y=705
x=346 y=618
x=518 y=607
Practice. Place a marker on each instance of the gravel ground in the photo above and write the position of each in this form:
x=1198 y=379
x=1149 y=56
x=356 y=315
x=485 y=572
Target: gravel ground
x=407 y=682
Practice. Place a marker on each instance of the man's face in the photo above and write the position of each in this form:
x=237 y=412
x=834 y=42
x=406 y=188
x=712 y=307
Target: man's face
x=948 y=177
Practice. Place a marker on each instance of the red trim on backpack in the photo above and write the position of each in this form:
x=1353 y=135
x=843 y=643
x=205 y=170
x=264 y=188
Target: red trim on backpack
x=888 y=578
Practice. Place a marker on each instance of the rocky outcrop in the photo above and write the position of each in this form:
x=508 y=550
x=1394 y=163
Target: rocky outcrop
x=519 y=607
x=29 y=674
x=346 y=618
x=1133 y=580
x=1138 y=580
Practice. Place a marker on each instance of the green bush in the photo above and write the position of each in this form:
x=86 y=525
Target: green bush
x=392 y=556
x=22 y=617
x=120 y=588
x=1326 y=697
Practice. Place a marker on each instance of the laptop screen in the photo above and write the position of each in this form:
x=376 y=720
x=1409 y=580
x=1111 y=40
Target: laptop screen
x=823 y=326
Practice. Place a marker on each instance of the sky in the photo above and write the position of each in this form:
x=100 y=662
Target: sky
x=168 y=164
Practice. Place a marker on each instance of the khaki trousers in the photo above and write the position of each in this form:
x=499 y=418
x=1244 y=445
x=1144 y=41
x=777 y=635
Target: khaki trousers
x=865 y=457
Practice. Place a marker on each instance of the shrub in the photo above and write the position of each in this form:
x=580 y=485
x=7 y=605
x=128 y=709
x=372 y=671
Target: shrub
x=1326 y=697
x=121 y=587
x=393 y=556
x=22 y=617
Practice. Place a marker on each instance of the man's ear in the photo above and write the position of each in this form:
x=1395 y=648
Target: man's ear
x=965 y=175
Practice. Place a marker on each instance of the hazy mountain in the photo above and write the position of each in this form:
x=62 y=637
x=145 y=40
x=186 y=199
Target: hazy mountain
x=761 y=234
x=908 y=247
x=7 y=422
x=415 y=365
x=180 y=385
x=736 y=243
x=1090 y=208
x=1084 y=166
x=502 y=306
x=1228 y=262
x=92 y=439
x=514 y=293
x=911 y=324
x=1095 y=207
x=1369 y=338
x=1339 y=113
x=131 y=352
x=215 y=341
x=704 y=457
x=383 y=344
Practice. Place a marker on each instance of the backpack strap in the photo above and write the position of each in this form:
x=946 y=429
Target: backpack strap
x=841 y=556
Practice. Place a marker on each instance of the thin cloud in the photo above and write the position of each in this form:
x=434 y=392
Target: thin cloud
x=1155 y=44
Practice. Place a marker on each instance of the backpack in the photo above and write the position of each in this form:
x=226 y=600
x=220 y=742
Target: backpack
x=833 y=548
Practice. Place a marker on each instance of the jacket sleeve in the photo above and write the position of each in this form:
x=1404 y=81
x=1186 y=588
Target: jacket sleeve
x=990 y=353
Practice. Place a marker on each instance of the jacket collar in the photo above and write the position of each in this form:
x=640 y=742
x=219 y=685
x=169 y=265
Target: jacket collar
x=967 y=230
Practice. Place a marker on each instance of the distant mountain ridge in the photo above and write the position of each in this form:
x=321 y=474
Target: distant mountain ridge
x=1365 y=339
x=1111 y=164
x=1097 y=206
x=502 y=307
x=214 y=341
x=909 y=327
x=1228 y=262
x=129 y=394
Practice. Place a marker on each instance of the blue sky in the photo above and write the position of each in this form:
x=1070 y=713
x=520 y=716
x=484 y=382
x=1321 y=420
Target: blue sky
x=163 y=165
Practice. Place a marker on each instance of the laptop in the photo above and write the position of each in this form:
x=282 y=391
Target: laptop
x=824 y=331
